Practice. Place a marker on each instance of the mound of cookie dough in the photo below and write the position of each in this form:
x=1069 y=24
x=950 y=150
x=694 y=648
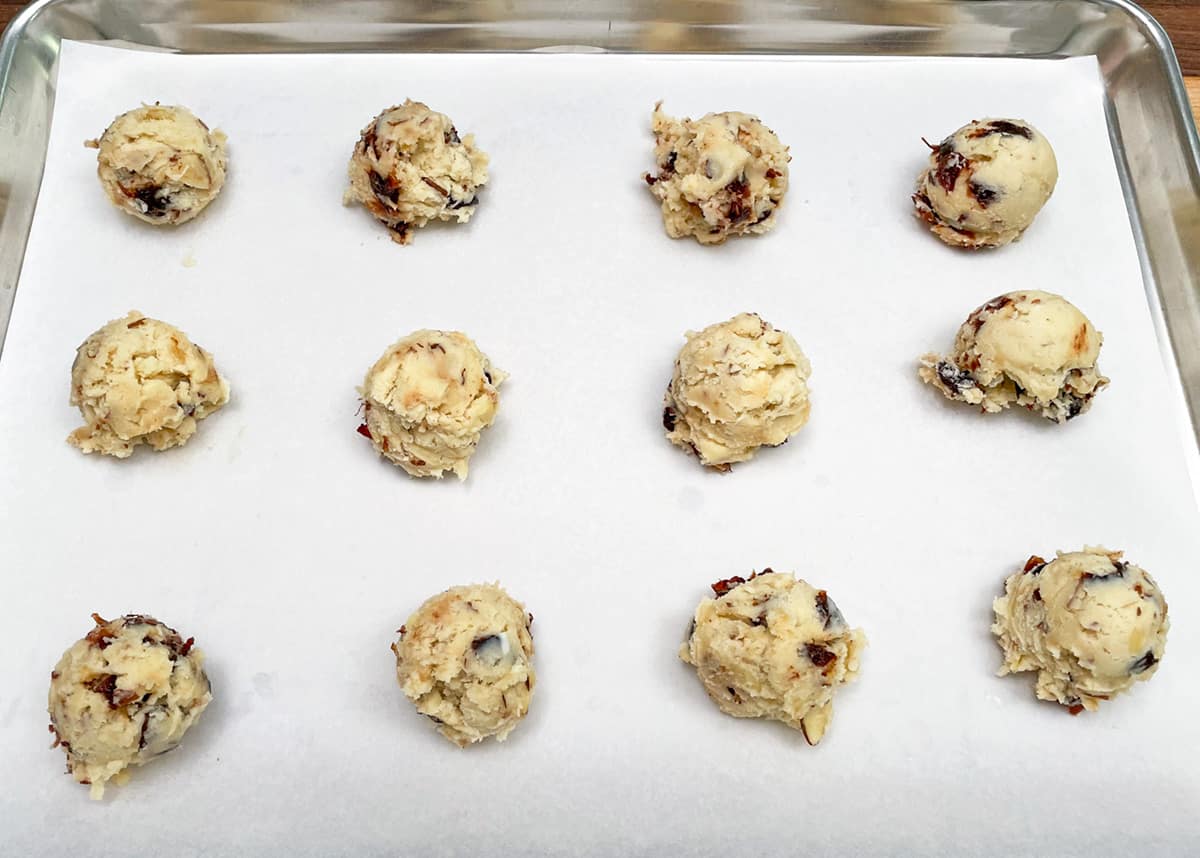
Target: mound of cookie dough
x=410 y=167
x=721 y=175
x=124 y=694
x=738 y=385
x=141 y=381
x=773 y=647
x=465 y=660
x=161 y=164
x=1026 y=348
x=1089 y=623
x=986 y=183
x=427 y=401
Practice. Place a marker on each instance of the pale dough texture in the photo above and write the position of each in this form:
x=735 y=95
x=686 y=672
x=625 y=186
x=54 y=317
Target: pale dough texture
x=738 y=385
x=410 y=167
x=161 y=164
x=721 y=175
x=1089 y=623
x=141 y=381
x=124 y=694
x=427 y=400
x=1029 y=348
x=986 y=183
x=773 y=647
x=465 y=659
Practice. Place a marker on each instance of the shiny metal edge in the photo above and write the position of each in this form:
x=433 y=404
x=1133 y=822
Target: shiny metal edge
x=1154 y=140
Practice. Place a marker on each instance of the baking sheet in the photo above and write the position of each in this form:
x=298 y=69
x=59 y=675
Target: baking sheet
x=292 y=553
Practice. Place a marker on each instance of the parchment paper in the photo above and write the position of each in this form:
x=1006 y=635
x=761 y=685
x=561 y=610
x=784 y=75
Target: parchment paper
x=292 y=553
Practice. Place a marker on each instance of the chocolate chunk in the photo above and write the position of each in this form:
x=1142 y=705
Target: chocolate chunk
x=365 y=431
x=1034 y=565
x=451 y=138
x=1074 y=406
x=984 y=195
x=669 y=418
x=401 y=228
x=957 y=379
x=818 y=655
x=1001 y=126
x=980 y=315
x=1144 y=663
x=137 y=323
x=1117 y=572
x=950 y=164
x=733 y=693
x=726 y=584
x=458 y=204
x=1075 y=708
x=650 y=180
x=368 y=140
x=487 y=375
x=156 y=205
x=106 y=685
x=827 y=610
x=385 y=188
x=772 y=173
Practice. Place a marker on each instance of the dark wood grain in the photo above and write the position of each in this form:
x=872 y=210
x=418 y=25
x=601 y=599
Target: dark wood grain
x=1181 y=18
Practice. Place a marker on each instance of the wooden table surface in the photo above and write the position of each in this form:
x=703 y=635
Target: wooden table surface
x=1180 y=17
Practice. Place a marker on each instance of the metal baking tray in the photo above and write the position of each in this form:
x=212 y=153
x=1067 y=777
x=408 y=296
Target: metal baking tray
x=1152 y=132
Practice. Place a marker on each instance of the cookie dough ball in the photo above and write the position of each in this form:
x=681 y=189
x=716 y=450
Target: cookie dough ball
x=737 y=386
x=141 y=381
x=721 y=175
x=124 y=694
x=773 y=647
x=427 y=401
x=411 y=167
x=161 y=164
x=465 y=660
x=1026 y=348
x=986 y=183
x=1089 y=623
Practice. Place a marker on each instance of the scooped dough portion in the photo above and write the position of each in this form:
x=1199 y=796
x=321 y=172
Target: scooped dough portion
x=773 y=647
x=738 y=385
x=161 y=164
x=124 y=694
x=721 y=175
x=465 y=659
x=410 y=167
x=1026 y=348
x=1089 y=623
x=141 y=381
x=986 y=183
x=427 y=401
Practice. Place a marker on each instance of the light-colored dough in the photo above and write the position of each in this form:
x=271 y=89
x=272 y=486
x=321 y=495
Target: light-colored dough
x=161 y=164
x=738 y=385
x=141 y=381
x=721 y=175
x=773 y=647
x=410 y=167
x=1026 y=348
x=986 y=183
x=124 y=694
x=428 y=399
x=465 y=660
x=1089 y=623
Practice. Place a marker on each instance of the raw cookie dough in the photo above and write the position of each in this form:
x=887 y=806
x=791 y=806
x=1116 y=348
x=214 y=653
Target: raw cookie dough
x=411 y=167
x=465 y=659
x=738 y=385
x=1030 y=348
x=721 y=175
x=773 y=647
x=427 y=401
x=123 y=695
x=160 y=163
x=141 y=381
x=1089 y=623
x=986 y=183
